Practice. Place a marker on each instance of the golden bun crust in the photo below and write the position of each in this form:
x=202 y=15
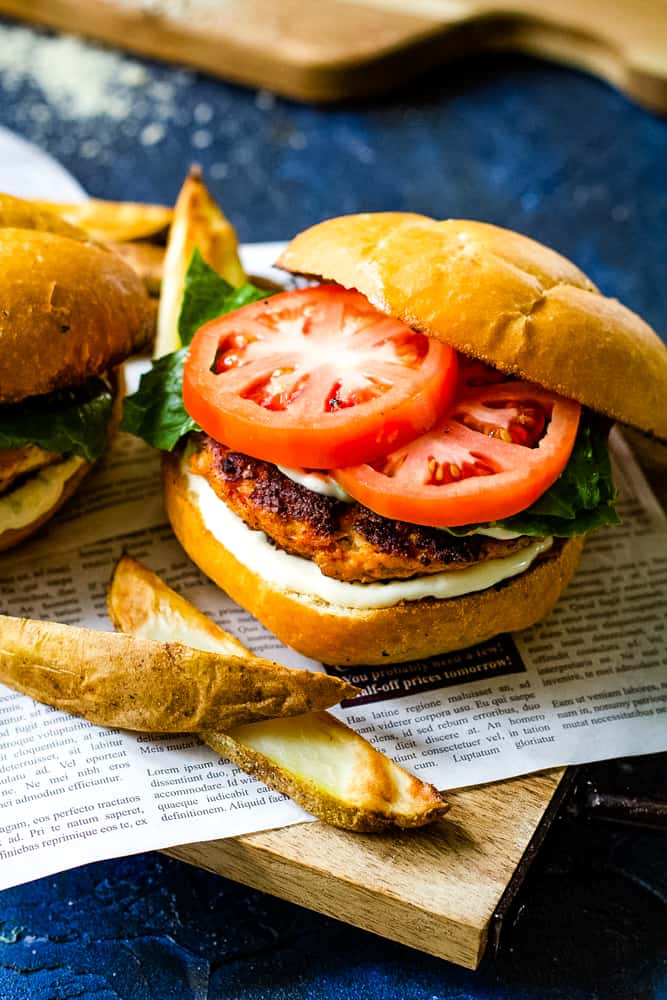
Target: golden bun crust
x=347 y=636
x=69 y=308
x=500 y=297
x=8 y=539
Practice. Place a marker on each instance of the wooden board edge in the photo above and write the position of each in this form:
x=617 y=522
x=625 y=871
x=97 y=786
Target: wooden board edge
x=419 y=44
x=293 y=73
x=397 y=920
x=632 y=73
x=256 y=860
x=508 y=902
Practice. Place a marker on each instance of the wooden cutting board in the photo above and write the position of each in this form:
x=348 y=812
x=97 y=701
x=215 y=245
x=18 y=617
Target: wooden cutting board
x=435 y=889
x=351 y=48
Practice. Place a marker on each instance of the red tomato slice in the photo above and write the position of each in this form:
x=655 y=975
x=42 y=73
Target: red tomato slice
x=497 y=450
x=316 y=377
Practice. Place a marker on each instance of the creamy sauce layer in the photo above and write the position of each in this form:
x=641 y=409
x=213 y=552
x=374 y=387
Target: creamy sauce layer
x=319 y=482
x=37 y=495
x=301 y=576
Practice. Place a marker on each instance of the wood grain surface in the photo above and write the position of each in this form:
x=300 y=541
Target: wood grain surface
x=351 y=48
x=434 y=889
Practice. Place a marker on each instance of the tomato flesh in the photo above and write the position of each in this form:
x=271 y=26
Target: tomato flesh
x=316 y=377
x=500 y=447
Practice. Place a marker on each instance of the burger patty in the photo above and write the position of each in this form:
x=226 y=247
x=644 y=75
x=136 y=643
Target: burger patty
x=346 y=540
x=15 y=463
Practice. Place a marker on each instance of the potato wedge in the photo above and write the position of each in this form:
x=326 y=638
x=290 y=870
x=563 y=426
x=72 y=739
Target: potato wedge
x=142 y=605
x=18 y=213
x=147 y=259
x=197 y=222
x=318 y=761
x=113 y=221
x=117 y=680
x=330 y=771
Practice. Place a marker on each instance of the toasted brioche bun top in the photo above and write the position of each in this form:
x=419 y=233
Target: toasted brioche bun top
x=499 y=297
x=69 y=308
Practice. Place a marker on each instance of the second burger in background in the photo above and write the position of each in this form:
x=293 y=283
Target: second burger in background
x=404 y=462
x=70 y=310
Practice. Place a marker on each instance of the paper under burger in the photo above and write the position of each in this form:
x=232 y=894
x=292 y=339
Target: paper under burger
x=404 y=459
x=70 y=310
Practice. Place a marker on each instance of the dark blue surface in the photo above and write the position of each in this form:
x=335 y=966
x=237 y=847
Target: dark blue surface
x=555 y=154
x=592 y=925
x=552 y=153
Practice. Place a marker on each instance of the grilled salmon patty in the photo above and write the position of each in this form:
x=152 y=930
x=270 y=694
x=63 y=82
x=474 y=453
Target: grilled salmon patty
x=346 y=540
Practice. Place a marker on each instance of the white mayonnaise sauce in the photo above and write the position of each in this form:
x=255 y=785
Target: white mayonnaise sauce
x=293 y=573
x=318 y=482
x=37 y=494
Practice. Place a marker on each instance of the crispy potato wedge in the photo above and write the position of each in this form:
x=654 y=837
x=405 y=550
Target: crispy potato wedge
x=113 y=221
x=318 y=761
x=16 y=213
x=198 y=222
x=330 y=771
x=142 y=605
x=120 y=681
x=146 y=259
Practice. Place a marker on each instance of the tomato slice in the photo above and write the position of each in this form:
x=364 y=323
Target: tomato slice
x=497 y=450
x=316 y=377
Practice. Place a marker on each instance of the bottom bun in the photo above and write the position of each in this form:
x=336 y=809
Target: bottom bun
x=12 y=536
x=348 y=636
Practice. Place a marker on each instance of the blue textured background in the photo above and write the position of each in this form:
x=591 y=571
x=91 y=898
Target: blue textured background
x=552 y=153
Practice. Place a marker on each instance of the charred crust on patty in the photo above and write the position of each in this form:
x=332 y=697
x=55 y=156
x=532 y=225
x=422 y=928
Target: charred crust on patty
x=277 y=494
x=413 y=541
x=268 y=489
x=345 y=540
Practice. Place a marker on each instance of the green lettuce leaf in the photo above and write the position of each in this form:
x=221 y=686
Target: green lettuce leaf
x=155 y=412
x=206 y=296
x=70 y=420
x=581 y=499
